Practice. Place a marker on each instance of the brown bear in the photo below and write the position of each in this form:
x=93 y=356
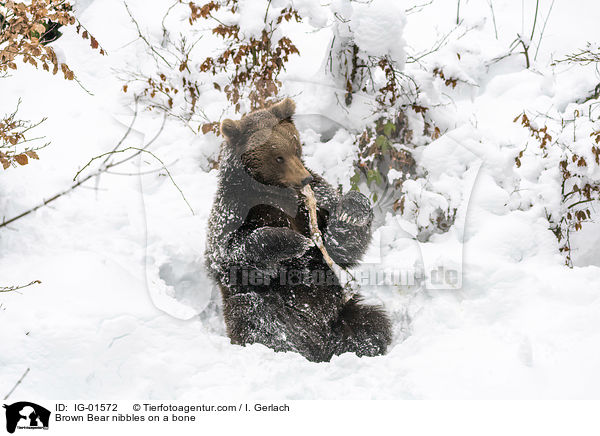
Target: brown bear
x=277 y=290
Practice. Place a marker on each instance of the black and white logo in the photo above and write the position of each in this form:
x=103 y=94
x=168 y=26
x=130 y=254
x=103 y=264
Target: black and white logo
x=26 y=415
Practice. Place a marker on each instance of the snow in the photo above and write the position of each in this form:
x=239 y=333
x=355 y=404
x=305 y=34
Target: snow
x=377 y=27
x=335 y=156
x=125 y=309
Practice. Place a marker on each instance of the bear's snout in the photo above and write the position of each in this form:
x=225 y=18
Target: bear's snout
x=307 y=180
x=296 y=174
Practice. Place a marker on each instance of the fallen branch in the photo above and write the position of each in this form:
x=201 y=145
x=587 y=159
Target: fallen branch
x=16 y=384
x=16 y=288
x=140 y=150
x=347 y=280
x=48 y=201
x=104 y=167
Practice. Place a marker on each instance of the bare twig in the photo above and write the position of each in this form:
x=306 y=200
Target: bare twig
x=48 y=201
x=267 y=11
x=82 y=87
x=143 y=38
x=139 y=150
x=525 y=49
x=177 y=2
x=102 y=169
x=581 y=202
x=543 y=30
x=6 y=222
x=17 y=287
x=417 y=8
x=441 y=42
x=537 y=6
x=135 y=114
x=493 y=18
x=17 y=384
x=586 y=56
x=458 y=13
x=148 y=144
x=140 y=173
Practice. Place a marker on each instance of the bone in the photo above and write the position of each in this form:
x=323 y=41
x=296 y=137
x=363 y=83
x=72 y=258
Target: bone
x=317 y=237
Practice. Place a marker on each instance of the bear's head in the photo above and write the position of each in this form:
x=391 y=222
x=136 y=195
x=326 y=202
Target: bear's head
x=268 y=145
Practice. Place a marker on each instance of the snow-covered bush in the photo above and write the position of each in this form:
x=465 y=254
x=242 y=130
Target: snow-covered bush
x=366 y=63
x=566 y=155
x=251 y=53
x=367 y=50
x=367 y=59
x=363 y=84
x=561 y=169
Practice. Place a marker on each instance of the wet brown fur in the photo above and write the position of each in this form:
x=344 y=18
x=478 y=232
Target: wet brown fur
x=272 y=152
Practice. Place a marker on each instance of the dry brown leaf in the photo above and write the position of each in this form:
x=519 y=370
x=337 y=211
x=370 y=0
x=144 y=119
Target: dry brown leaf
x=21 y=159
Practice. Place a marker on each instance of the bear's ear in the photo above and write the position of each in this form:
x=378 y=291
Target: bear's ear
x=284 y=109
x=230 y=129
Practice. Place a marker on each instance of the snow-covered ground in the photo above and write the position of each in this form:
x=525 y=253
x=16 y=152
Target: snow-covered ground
x=125 y=310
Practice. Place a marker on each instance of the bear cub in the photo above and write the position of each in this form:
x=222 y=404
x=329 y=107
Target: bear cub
x=277 y=289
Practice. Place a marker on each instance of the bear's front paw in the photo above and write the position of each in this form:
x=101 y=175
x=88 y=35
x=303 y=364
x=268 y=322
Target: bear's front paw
x=354 y=209
x=279 y=243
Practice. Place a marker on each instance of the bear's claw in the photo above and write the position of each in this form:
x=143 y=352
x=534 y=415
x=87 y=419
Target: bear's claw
x=355 y=209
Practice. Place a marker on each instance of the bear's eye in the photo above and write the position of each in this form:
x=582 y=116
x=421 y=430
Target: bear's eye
x=279 y=159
